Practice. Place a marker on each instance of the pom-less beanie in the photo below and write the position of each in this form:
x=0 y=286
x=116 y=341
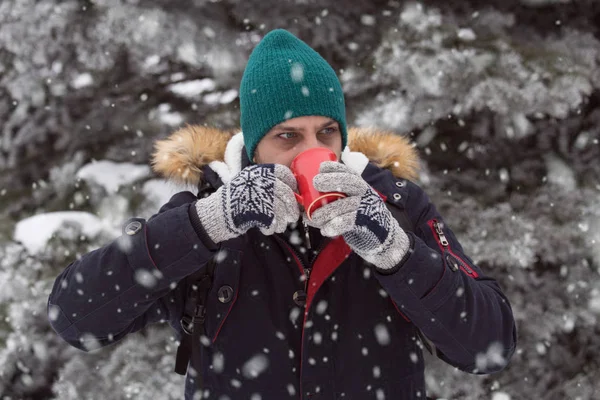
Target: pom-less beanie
x=285 y=78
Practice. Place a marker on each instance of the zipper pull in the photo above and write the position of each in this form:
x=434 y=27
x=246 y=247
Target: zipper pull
x=454 y=265
x=307 y=278
x=440 y=232
x=307 y=236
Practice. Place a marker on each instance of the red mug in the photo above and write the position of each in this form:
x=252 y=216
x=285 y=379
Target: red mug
x=305 y=167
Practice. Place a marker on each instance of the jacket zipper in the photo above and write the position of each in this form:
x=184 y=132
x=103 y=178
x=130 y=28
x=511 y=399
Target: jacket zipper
x=306 y=272
x=307 y=236
x=452 y=259
x=323 y=244
x=440 y=233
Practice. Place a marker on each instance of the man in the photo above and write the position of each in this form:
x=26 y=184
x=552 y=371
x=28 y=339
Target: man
x=336 y=306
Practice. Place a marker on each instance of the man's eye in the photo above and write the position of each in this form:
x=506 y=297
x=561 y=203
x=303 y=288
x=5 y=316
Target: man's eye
x=286 y=135
x=329 y=131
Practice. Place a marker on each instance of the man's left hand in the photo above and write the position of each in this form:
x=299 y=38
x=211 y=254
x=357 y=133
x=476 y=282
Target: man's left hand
x=361 y=218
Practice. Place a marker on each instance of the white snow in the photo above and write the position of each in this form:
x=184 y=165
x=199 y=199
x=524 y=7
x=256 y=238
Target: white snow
x=82 y=80
x=376 y=371
x=89 y=341
x=418 y=19
x=255 y=366
x=229 y=96
x=594 y=301
x=192 y=89
x=221 y=97
x=382 y=334
x=500 y=396
x=318 y=338
x=393 y=113
x=466 y=34
x=160 y=191
x=493 y=356
x=151 y=61
x=559 y=173
x=168 y=117
x=368 y=20
x=321 y=307
x=291 y=389
x=111 y=175
x=297 y=73
x=504 y=175
x=221 y=256
x=569 y=321
x=34 y=232
x=209 y=32
x=414 y=357
x=187 y=53
x=146 y=278
x=590 y=227
x=295 y=238
x=294 y=314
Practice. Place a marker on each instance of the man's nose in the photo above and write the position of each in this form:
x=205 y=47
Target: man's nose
x=309 y=143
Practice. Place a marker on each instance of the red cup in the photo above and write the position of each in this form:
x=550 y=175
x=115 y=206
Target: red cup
x=305 y=167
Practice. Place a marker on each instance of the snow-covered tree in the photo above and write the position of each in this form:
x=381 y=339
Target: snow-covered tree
x=502 y=100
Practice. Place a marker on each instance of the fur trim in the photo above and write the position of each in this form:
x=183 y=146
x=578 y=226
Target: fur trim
x=181 y=156
x=386 y=150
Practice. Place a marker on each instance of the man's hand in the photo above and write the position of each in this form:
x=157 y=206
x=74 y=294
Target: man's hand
x=259 y=196
x=362 y=218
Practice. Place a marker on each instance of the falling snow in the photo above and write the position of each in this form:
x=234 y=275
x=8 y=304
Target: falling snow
x=255 y=366
x=382 y=334
x=79 y=133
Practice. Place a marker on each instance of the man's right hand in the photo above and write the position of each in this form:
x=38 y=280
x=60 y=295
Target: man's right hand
x=259 y=196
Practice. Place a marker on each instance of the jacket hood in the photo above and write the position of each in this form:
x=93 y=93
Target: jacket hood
x=183 y=155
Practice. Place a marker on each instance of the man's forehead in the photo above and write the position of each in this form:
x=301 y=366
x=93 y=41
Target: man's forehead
x=298 y=125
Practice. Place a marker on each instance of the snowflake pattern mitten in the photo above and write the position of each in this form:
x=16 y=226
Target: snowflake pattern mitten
x=362 y=218
x=259 y=196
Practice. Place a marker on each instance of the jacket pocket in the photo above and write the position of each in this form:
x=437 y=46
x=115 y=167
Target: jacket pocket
x=451 y=259
x=224 y=291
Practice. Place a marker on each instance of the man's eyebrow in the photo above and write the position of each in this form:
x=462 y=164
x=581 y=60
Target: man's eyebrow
x=293 y=128
x=331 y=121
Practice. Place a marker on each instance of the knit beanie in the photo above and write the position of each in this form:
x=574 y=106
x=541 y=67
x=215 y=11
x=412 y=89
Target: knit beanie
x=285 y=78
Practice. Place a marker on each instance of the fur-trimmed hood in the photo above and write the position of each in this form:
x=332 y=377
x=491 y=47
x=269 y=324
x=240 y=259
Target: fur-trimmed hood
x=182 y=156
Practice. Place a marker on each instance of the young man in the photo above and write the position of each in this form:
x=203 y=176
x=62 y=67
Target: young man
x=338 y=306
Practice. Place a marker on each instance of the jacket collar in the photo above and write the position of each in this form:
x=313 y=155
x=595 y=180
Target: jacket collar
x=202 y=156
x=376 y=176
x=216 y=172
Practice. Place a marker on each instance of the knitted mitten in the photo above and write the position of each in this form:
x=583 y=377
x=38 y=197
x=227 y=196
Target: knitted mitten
x=259 y=196
x=362 y=218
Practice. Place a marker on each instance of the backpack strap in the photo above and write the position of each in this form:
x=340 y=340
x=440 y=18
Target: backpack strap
x=192 y=321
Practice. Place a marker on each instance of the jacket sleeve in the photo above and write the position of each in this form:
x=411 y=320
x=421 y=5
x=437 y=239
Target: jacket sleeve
x=439 y=289
x=131 y=282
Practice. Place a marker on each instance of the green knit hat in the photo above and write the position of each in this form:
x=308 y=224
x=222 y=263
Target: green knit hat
x=285 y=78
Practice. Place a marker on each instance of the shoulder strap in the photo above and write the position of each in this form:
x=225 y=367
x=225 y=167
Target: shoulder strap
x=192 y=321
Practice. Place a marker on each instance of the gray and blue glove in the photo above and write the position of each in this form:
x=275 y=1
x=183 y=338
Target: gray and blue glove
x=362 y=218
x=259 y=196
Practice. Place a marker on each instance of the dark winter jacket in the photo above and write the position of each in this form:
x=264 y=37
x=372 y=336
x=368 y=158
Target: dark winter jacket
x=356 y=337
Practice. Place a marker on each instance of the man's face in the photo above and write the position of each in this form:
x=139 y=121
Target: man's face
x=285 y=141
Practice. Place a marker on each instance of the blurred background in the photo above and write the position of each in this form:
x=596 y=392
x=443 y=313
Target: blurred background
x=501 y=97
